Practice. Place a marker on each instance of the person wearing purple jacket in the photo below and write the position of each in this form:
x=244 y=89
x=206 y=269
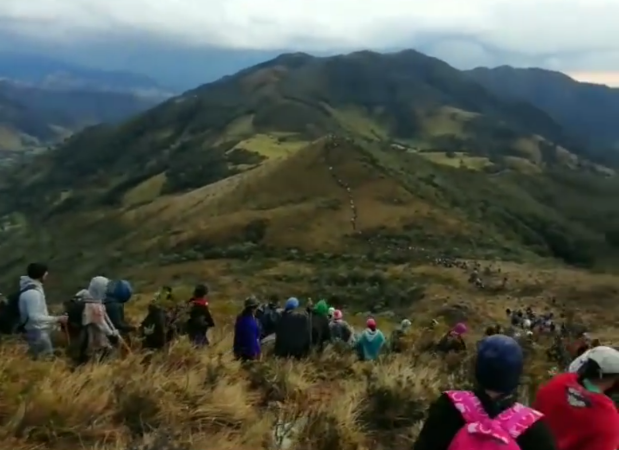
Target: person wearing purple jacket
x=247 y=332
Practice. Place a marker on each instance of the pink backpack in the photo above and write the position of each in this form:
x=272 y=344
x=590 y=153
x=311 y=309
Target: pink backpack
x=483 y=433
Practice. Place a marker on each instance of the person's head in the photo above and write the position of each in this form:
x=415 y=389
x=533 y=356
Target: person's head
x=508 y=312
x=601 y=368
x=405 y=325
x=251 y=305
x=337 y=315
x=499 y=364
x=291 y=304
x=371 y=324
x=37 y=271
x=330 y=312
x=200 y=291
x=526 y=324
x=459 y=329
x=273 y=300
x=98 y=288
x=321 y=308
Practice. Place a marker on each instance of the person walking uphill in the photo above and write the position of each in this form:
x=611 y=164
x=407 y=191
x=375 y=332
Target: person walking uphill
x=578 y=407
x=370 y=342
x=488 y=417
x=247 y=332
x=34 y=316
x=200 y=318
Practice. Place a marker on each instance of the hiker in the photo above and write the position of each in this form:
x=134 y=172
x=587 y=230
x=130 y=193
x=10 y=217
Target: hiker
x=160 y=327
x=340 y=331
x=576 y=407
x=94 y=340
x=370 y=342
x=118 y=293
x=200 y=318
x=498 y=368
x=293 y=332
x=34 y=316
x=453 y=341
x=319 y=320
x=268 y=316
x=396 y=344
x=246 y=345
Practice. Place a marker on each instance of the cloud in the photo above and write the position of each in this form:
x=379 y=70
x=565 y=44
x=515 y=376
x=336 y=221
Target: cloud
x=572 y=35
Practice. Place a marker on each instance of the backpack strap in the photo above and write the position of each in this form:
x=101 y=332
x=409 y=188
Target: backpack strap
x=518 y=419
x=468 y=404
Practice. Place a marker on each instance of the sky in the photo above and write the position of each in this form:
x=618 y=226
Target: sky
x=204 y=37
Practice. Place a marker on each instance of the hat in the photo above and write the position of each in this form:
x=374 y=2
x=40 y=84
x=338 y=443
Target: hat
x=607 y=358
x=460 y=329
x=337 y=315
x=499 y=364
x=371 y=324
x=331 y=310
x=405 y=324
x=251 y=302
x=291 y=303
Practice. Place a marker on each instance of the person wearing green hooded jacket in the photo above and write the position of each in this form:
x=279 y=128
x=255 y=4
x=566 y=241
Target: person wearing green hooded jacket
x=319 y=319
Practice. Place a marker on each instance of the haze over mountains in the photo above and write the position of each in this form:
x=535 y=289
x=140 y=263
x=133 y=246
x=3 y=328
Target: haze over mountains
x=43 y=100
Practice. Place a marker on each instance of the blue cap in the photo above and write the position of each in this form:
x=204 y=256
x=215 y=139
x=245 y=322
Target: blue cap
x=291 y=303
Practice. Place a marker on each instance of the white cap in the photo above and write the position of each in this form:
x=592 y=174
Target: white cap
x=606 y=357
x=526 y=324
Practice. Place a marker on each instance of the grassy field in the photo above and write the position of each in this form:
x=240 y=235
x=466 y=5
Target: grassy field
x=182 y=399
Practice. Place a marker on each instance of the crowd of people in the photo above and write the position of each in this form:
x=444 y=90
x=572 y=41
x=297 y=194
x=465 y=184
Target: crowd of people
x=575 y=410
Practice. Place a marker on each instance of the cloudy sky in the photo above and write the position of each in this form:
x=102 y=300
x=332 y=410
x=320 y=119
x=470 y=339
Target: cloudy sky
x=206 y=37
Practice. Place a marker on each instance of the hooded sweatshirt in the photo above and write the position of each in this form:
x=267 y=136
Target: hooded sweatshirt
x=94 y=310
x=369 y=344
x=33 y=307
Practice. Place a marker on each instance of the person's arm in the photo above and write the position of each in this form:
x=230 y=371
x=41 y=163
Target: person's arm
x=440 y=427
x=537 y=437
x=209 y=318
x=30 y=303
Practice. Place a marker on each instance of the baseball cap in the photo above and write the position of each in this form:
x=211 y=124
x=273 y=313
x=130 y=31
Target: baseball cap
x=607 y=359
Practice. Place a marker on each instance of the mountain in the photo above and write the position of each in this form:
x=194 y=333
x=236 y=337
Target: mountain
x=383 y=156
x=588 y=110
x=52 y=74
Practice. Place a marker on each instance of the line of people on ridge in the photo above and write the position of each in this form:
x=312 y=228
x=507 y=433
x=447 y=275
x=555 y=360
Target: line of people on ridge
x=297 y=331
x=576 y=410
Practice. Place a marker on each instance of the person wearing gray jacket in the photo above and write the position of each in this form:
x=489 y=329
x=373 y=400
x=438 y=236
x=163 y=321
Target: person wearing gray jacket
x=34 y=316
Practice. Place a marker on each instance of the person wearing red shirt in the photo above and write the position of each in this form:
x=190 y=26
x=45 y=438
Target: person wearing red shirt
x=575 y=405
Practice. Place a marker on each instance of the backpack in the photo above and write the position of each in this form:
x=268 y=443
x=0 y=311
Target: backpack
x=10 y=317
x=120 y=290
x=74 y=309
x=483 y=433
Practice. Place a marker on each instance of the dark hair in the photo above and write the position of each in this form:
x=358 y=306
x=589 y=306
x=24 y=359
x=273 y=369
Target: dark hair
x=201 y=290
x=591 y=370
x=36 y=271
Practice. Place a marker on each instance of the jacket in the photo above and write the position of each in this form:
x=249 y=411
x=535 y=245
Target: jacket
x=33 y=310
x=579 y=418
x=444 y=421
x=246 y=337
x=200 y=318
x=116 y=313
x=292 y=335
x=369 y=344
x=340 y=331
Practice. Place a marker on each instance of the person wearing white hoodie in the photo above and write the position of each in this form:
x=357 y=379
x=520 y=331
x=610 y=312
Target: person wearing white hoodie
x=34 y=316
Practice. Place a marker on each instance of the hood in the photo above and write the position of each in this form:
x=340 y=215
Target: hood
x=98 y=288
x=369 y=334
x=25 y=281
x=83 y=295
x=321 y=308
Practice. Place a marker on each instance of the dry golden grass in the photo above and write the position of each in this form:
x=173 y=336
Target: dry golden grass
x=297 y=195
x=183 y=399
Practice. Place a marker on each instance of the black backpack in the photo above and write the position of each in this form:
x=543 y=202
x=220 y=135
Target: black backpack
x=10 y=318
x=74 y=309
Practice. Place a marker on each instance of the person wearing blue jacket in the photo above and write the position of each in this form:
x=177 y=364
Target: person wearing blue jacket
x=247 y=332
x=370 y=343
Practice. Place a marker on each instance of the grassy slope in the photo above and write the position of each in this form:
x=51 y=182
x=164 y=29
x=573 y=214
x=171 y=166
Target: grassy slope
x=189 y=400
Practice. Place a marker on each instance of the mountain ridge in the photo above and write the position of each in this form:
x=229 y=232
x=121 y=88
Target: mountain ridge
x=429 y=161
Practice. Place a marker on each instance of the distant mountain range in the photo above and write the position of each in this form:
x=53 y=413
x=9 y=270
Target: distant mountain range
x=43 y=100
